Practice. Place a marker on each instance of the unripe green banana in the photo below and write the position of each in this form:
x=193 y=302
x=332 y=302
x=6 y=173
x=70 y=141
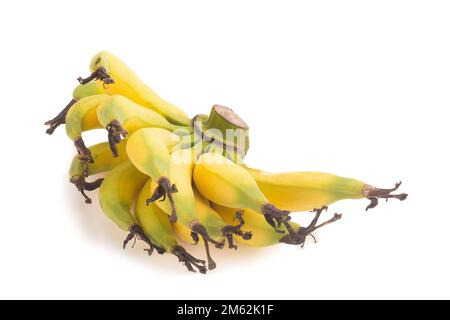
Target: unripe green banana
x=120 y=79
x=103 y=161
x=157 y=227
x=117 y=193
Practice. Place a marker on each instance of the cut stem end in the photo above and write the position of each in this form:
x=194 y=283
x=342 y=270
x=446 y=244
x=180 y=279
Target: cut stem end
x=374 y=194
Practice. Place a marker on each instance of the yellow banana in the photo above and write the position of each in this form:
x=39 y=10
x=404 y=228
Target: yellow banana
x=80 y=92
x=121 y=116
x=81 y=117
x=103 y=161
x=264 y=235
x=228 y=184
x=303 y=191
x=149 y=150
x=181 y=163
x=117 y=193
x=157 y=228
x=120 y=79
x=194 y=209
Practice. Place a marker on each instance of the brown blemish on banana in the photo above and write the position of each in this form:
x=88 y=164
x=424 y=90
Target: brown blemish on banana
x=163 y=190
x=200 y=230
x=115 y=135
x=299 y=237
x=82 y=186
x=99 y=74
x=137 y=233
x=230 y=230
x=59 y=119
x=373 y=194
x=188 y=260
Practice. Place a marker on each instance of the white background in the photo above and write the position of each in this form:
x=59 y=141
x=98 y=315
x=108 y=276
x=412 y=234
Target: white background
x=357 y=88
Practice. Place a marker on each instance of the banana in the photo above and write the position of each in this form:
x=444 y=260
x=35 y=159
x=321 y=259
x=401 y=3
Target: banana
x=121 y=116
x=228 y=184
x=264 y=235
x=303 y=191
x=117 y=193
x=80 y=92
x=120 y=79
x=103 y=161
x=188 y=221
x=157 y=228
x=81 y=117
x=194 y=209
x=149 y=150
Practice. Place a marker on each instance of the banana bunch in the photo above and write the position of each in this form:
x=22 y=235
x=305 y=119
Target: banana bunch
x=169 y=179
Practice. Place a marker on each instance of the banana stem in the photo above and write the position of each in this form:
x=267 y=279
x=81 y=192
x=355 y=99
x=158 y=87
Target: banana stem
x=198 y=229
x=83 y=151
x=115 y=135
x=59 y=119
x=230 y=230
x=188 y=260
x=163 y=190
x=99 y=74
x=373 y=194
x=136 y=232
x=302 y=233
x=224 y=129
x=82 y=186
x=276 y=217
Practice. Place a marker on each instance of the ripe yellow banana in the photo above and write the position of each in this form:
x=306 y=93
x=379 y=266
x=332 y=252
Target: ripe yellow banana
x=117 y=193
x=157 y=228
x=149 y=150
x=181 y=163
x=103 y=161
x=303 y=191
x=121 y=116
x=120 y=79
x=80 y=92
x=81 y=117
x=228 y=184
x=263 y=235
x=117 y=114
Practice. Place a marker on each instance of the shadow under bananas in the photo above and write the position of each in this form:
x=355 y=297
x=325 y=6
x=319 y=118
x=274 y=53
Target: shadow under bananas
x=96 y=227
